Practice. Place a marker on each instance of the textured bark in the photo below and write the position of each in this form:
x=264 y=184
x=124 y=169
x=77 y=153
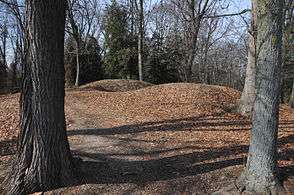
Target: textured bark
x=291 y=101
x=249 y=91
x=43 y=157
x=140 y=40
x=260 y=174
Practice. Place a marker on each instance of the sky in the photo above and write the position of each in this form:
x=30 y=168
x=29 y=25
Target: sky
x=235 y=7
x=238 y=5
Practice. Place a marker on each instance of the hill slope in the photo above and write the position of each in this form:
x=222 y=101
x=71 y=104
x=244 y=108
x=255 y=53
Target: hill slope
x=163 y=139
x=115 y=85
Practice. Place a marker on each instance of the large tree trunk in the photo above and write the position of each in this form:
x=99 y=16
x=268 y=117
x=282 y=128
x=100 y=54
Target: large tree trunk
x=140 y=40
x=249 y=91
x=43 y=159
x=291 y=101
x=261 y=171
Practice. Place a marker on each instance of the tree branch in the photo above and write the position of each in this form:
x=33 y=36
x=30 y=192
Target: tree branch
x=228 y=15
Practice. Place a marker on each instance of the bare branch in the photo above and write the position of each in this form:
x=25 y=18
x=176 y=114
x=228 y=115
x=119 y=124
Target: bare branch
x=229 y=15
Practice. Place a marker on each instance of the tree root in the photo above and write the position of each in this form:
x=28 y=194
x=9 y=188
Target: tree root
x=244 y=185
x=21 y=182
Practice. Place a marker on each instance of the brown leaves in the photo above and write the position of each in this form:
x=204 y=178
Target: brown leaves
x=9 y=117
x=183 y=128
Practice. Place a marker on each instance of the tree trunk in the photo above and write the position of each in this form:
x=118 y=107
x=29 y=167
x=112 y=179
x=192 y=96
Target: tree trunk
x=260 y=174
x=13 y=74
x=194 y=26
x=291 y=101
x=77 y=38
x=140 y=40
x=43 y=159
x=77 y=82
x=191 y=58
x=4 y=41
x=249 y=91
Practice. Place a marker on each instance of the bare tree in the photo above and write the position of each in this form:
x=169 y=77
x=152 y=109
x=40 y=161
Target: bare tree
x=83 y=20
x=249 y=91
x=14 y=11
x=192 y=12
x=261 y=173
x=43 y=159
x=141 y=39
x=3 y=44
x=76 y=35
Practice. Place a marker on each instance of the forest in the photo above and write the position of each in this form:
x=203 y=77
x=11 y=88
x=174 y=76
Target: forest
x=146 y=97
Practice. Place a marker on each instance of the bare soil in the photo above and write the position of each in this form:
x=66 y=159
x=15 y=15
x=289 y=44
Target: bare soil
x=166 y=139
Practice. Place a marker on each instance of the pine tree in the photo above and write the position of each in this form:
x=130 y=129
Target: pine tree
x=120 y=45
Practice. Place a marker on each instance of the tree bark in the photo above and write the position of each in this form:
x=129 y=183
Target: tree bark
x=140 y=40
x=261 y=171
x=43 y=158
x=249 y=91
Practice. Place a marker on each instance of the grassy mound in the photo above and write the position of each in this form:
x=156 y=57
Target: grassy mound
x=115 y=85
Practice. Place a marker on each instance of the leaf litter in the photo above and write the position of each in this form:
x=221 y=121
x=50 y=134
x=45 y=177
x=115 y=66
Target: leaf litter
x=161 y=139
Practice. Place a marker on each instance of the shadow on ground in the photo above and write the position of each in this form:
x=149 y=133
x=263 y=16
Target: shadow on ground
x=101 y=168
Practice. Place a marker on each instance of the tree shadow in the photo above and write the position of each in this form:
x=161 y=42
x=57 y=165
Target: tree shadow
x=102 y=169
x=184 y=124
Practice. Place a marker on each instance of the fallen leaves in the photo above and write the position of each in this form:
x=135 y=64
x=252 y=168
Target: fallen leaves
x=184 y=128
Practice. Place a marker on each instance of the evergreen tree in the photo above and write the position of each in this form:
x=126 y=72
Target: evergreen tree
x=120 y=58
x=162 y=61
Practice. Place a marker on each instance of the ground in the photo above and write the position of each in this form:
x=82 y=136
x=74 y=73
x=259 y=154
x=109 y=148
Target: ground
x=165 y=139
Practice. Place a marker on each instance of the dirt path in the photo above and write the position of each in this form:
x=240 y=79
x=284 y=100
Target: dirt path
x=196 y=155
x=112 y=144
x=171 y=139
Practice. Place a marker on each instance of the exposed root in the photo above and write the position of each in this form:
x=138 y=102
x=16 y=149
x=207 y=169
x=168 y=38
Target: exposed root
x=246 y=184
x=21 y=181
x=250 y=184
